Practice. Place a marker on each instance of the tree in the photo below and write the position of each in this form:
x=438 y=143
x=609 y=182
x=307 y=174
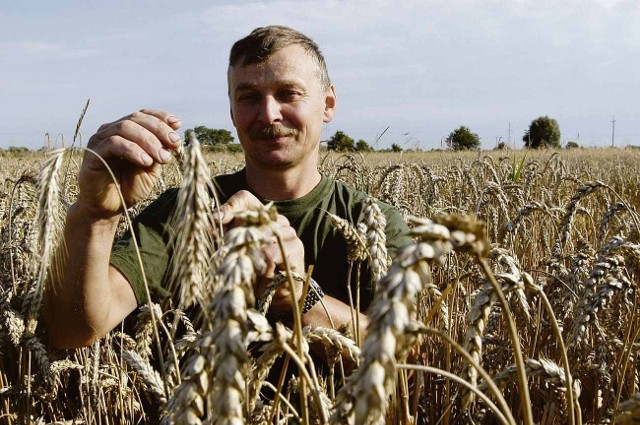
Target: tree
x=210 y=136
x=395 y=147
x=462 y=139
x=572 y=145
x=362 y=146
x=17 y=150
x=340 y=142
x=544 y=132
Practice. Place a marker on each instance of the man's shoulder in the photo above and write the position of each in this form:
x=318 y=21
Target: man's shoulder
x=359 y=197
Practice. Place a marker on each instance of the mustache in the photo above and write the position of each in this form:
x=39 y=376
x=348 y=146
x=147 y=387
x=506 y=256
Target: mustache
x=272 y=132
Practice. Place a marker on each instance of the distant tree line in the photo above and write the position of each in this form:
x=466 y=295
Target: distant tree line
x=543 y=132
x=340 y=142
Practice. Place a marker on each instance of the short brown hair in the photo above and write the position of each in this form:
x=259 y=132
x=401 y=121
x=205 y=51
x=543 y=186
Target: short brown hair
x=264 y=41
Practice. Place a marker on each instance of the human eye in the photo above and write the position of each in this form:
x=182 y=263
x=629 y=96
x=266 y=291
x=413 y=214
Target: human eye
x=247 y=96
x=289 y=94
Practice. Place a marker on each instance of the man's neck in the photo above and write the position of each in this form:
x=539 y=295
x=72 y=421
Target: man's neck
x=282 y=185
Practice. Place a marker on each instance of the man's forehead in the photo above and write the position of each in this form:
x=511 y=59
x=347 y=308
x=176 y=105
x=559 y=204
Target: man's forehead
x=286 y=65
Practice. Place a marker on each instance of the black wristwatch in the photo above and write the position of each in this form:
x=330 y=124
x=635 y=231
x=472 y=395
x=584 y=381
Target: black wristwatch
x=314 y=295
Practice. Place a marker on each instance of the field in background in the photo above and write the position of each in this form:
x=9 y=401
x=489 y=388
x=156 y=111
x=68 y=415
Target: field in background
x=555 y=268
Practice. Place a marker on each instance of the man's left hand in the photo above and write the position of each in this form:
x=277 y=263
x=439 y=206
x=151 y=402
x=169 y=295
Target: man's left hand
x=288 y=243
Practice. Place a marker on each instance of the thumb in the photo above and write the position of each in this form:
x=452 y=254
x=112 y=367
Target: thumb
x=238 y=202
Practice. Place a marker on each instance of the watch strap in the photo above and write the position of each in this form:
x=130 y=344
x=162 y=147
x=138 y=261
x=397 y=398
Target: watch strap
x=314 y=294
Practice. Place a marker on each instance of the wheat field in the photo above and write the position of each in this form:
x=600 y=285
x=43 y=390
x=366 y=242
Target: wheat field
x=517 y=303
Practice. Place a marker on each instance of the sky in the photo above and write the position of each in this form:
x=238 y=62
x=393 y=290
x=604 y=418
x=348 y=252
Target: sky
x=418 y=69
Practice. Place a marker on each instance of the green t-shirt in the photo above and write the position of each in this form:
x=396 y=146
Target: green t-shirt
x=325 y=248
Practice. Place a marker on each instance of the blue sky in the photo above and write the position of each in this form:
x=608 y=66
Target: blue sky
x=420 y=67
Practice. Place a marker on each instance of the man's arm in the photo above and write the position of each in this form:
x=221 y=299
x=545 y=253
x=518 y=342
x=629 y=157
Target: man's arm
x=91 y=297
x=333 y=314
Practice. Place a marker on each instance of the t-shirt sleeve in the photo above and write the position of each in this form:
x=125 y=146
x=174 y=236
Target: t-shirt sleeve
x=397 y=230
x=152 y=235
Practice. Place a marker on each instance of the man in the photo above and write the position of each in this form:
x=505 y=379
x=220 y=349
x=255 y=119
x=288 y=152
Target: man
x=280 y=96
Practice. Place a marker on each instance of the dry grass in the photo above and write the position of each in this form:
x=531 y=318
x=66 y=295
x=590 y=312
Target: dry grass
x=517 y=304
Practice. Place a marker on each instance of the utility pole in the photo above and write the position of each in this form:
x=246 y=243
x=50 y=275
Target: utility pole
x=613 y=130
x=509 y=138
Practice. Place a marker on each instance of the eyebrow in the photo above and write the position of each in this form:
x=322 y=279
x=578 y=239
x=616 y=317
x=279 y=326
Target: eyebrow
x=246 y=86
x=253 y=86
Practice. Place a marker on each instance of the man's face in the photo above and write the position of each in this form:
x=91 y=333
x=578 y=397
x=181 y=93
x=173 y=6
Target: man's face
x=278 y=108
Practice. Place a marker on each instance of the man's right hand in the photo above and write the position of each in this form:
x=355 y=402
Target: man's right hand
x=134 y=147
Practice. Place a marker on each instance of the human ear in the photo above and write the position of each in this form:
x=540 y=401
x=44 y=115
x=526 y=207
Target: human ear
x=330 y=103
x=231 y=114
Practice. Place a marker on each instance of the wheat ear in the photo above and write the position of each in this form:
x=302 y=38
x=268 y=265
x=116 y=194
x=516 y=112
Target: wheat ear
x=193 y=230
x=11 y=322
x=356 y=246
x=150 y=377
x=607 y=276
x=376 y=239
x=231 y=359
x=187 y=403
x=50 y=228
x=566 y=221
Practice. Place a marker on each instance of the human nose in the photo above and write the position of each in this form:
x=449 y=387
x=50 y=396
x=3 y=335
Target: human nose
x=270 y=110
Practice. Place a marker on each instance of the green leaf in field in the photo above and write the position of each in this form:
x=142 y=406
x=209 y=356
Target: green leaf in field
x=516 y=169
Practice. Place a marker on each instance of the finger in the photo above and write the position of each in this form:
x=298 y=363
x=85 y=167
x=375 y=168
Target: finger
x=167 y=117
x=118 y=147
x=283 y=221
x=238 y=202
x=292 y=248
x=287 y=234
x=159 y=123
x=133 y=132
